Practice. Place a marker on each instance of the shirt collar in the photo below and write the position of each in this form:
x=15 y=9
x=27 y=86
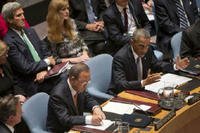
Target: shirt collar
x=10 y=128
x=73 y=92
x=17 y=31
x=134 y=53
x=120 y=8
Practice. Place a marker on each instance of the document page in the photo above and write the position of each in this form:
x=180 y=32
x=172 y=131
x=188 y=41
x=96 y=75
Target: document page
x=170 y=80
x=104 y=126
x=123 y=108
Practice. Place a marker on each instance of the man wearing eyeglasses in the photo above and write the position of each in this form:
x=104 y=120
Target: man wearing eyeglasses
x=134 y=63
x=69 y=100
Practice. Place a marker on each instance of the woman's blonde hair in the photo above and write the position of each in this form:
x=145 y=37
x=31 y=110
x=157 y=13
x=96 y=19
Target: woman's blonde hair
x=55 y=25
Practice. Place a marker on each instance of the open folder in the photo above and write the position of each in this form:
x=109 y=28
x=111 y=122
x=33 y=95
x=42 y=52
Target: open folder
x=57 y=70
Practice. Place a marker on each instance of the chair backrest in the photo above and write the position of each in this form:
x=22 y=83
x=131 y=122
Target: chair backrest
x=176 y=44
x=35 y=112
x=101 y=70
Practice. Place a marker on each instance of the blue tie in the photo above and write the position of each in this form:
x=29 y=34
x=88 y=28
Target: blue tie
x=90 y=12
x=182 y=15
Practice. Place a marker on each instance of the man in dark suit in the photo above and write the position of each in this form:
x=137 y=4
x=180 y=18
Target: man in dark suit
x=134 y=63
x=115 y=22
x=168 y=21
x=68 y=101
x=26 y=55
x=190 y=41
x=10 y=113
x=71 y=99
x=88 y=17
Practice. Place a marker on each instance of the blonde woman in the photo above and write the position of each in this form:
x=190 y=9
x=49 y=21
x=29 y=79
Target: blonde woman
x=63 y=39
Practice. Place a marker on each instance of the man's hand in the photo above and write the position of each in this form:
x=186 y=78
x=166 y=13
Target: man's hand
x=151 y=78
x=40 y=76
x=51 y=60
x=99 y=112
x=96 y=120
x=181 y=63
x=96 y=26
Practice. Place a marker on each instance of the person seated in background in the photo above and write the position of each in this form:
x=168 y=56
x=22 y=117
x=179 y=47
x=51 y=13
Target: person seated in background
x=3 y=25
x=190 y=41
x=63 y=39
x=173 y=16
x=10 y=113
x=26 y=55
x=6 y=76
x=134 y=63
x=88 y=18
x=121 y=19
x=68 y=101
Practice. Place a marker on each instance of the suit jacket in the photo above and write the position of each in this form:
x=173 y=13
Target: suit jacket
x=62 y=113
x=190 y=41
x=4 y=128
x=115 y=27
x=23 y=65
x=79 y=14
x=124 y=68
x=168 y=21
x=7 y=82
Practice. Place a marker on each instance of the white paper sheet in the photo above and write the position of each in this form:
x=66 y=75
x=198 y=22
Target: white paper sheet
x=168 y=79
x=123 y=108
x=104 y=126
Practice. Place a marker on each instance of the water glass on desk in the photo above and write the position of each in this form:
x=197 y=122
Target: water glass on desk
x=123 y=127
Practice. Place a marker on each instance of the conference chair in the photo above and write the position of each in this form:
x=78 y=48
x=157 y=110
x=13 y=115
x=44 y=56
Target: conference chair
x=35 y=112
x=176 y=44
x=101 y=70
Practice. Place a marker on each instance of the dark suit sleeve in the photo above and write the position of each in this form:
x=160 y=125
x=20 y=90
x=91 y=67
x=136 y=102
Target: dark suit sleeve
x=114 y=32
x=160 y=66
x=20 y=61
x=90 y=102
x=119 y=76
x=61 y=112
x=164 y=21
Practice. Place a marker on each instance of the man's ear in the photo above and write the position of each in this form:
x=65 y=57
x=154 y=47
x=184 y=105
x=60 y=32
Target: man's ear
x=10 y=21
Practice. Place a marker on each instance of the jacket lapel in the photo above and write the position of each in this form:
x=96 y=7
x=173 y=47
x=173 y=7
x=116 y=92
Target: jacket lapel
x=71 y=101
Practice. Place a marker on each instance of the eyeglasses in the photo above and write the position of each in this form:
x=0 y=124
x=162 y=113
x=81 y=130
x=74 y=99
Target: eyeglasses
x=140 y=45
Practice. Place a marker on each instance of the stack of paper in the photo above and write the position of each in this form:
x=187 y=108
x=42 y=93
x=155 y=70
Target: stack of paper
x=123 y=108
x=105 y=124
x=167 y=80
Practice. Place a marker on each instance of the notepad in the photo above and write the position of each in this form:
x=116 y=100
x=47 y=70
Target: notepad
x=105 y=124
x=123 y=108
x=167 y=80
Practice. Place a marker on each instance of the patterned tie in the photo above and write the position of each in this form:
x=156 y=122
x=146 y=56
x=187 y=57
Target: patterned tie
x=184 y=23
x=30 y=46
x=125 y=19
x=90 y=12
x=139 y=68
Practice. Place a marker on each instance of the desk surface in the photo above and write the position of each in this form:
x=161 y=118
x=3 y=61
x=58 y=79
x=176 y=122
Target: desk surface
x=187 y=119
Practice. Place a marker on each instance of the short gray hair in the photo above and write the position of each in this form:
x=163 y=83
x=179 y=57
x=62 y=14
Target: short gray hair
x=8 y=107
x=140 y=33
x=9 y=9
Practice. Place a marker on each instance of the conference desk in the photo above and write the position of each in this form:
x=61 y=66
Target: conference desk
x=187 y=119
